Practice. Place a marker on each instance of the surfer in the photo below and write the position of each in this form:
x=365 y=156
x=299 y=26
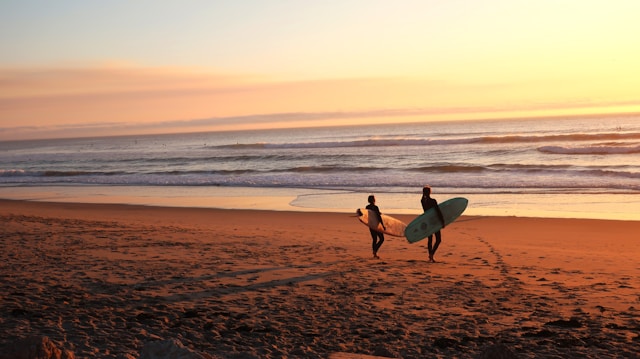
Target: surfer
x=375 y=235
x=427 y=203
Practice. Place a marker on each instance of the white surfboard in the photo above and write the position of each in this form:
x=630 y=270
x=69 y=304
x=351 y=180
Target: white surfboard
x=394 y=227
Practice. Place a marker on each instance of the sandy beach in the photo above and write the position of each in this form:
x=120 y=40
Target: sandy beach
x=109 y=281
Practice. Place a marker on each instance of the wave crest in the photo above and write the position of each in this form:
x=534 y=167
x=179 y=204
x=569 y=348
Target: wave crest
x=590 y=150
x=388 y=142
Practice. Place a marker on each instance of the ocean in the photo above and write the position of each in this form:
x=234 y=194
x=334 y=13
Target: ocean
x=575 y=167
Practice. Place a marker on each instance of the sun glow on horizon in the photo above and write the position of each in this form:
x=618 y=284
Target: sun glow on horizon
x=225 y=65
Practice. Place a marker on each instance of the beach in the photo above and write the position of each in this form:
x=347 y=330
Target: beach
x=117 y=281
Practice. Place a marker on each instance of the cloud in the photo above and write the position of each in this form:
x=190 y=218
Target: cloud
x=256 y=121
x=266 y=121
x=115 y=100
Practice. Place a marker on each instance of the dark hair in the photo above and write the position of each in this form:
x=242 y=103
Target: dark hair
x=426 y=190
x=371 y=199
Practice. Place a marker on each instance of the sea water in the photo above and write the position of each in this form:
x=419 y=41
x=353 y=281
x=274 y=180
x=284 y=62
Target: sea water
x=574 y=167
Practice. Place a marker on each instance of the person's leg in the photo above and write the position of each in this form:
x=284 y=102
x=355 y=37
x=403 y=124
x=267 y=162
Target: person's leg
x=430 y=247
x=374 y=238
x=436 y=245
x=379 y=244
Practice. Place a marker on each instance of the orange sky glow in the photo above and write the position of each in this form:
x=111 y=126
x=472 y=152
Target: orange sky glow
x=357 y=63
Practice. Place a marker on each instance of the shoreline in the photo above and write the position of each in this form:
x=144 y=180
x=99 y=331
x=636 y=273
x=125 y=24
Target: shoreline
x=614 y=206
x=108 y=280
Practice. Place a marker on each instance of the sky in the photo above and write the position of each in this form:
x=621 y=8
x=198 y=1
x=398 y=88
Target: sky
x=93 y=67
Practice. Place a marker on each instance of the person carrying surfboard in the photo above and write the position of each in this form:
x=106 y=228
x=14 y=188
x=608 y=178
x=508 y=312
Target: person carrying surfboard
x=375 y=235
x=427 y=203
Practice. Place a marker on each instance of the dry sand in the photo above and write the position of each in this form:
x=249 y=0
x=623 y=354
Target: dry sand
x=103 y=280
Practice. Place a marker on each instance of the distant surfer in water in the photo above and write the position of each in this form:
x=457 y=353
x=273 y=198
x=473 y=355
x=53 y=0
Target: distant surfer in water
x=375 y=235
x=428 y=203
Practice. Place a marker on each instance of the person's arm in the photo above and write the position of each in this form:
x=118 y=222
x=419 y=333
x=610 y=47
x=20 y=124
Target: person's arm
x=380 y=217
x=440 y=214
x=425 y=205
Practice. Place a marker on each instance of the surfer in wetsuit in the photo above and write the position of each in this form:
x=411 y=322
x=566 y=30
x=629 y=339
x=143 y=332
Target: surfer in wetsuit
x=428 y=203
x=375 y=235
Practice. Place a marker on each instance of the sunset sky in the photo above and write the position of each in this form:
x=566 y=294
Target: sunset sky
x=86 y=68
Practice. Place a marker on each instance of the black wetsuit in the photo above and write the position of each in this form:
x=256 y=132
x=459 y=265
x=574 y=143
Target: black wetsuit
x=428 y=203
x=375 y=235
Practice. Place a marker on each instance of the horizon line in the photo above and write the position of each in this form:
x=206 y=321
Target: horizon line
x=313 y=126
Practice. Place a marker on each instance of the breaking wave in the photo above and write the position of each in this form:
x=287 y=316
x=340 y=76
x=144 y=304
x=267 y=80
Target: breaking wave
x=387 y=142
x=590 y=150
